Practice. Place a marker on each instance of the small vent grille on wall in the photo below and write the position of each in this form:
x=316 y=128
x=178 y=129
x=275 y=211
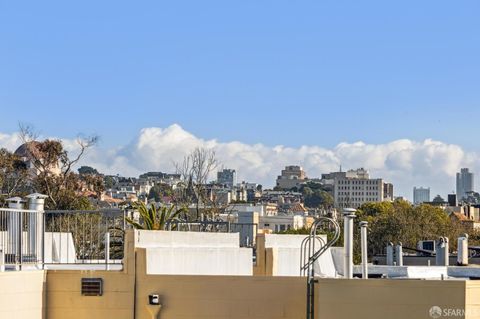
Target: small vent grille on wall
x=92 y=286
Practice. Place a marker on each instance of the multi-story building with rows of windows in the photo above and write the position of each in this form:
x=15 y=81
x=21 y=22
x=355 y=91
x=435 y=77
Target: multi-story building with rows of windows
x=355 y=188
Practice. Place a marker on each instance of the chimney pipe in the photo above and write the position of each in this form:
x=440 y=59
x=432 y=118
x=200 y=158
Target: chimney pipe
x=390 y=254
x=462 y=256
x=348 y=216
x=14 y=231
x=399 y=254
x=15 y=203
x=363 y=233
x=36 y=203
x=442 y=257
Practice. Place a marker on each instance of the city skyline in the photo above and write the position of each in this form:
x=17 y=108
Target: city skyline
x=404 y=163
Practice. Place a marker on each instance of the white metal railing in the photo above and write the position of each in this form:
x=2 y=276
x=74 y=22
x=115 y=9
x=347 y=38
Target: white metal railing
x=21 y=238
x=36 y=238
x=84 y=237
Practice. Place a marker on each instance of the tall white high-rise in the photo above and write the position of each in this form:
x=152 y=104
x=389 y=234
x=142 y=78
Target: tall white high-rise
x=465 y=181
x=421 y=195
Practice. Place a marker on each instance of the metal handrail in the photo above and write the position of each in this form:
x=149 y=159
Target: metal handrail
x=315 y=254
x=308 y=245
x=18 y=210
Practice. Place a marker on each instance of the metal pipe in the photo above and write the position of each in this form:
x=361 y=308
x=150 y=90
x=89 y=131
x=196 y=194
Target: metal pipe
x=36 y=236
x=14 y=229
x=390 y=254
x=20 y=240
x=107 y=250
x=442 y=256
x=462 y=255
x=348 y=216
x=399 y=254
x=2 y=260
x=363 y=234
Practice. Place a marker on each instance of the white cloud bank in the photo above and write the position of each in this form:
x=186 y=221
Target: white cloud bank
x=405 y=163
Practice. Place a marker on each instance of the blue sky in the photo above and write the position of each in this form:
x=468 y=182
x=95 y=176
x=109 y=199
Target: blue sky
x=273 y=72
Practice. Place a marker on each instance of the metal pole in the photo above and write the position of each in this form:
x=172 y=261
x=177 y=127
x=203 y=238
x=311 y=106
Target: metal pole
x=2 y=260
x=107 y=250
x=20 y=238
x=348 y=216
x=363 y=232
x=43 y=230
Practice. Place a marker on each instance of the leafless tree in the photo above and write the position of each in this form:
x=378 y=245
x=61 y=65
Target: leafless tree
x=195 y=170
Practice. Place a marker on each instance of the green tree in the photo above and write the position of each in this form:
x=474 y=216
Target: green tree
x=52 y=170
x=374 y=209
x=158 y=191
x=153 y=218
x=13 y=173
x=438 y=199
x=317 y=198
x=109 y=182
x=402 y=222
x=87 y=170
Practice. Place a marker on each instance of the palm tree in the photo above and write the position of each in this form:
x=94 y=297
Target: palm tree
x=155 y=218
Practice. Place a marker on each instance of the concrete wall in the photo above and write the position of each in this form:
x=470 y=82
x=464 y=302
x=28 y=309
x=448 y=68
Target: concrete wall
x=22 y=294
x=472 y=300
x=235 y=297
x=194 y=253
x=199 y=261
x=392 y=299
x=149 y=238
x=283 y=256
x=210 y=297
x=64 y=299
x=59 y=248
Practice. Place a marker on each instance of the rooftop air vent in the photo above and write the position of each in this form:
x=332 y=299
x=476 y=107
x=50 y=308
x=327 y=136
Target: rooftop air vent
x=92 y=286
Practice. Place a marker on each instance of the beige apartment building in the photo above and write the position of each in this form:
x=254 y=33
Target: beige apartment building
x=355 y=188
x=292 y=176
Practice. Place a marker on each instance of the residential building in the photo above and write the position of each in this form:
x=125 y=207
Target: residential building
x=421 y=195
x=227 y=177
x=452 y=200
x=254 y=190
x=388 y=192
x=25 y=151
x=291 y=177
x=171 y=180
x=355 y=188
x=281 y=223
x=465 y=182
x=280 y=197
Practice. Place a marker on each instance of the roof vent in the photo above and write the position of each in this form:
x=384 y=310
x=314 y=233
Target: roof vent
x=92 y=286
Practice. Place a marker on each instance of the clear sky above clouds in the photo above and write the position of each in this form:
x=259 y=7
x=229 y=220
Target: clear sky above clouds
x=291 y=73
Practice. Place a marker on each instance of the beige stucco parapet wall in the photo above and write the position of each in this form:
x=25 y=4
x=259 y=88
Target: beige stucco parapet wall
x=24 y=294
x=65 y=301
